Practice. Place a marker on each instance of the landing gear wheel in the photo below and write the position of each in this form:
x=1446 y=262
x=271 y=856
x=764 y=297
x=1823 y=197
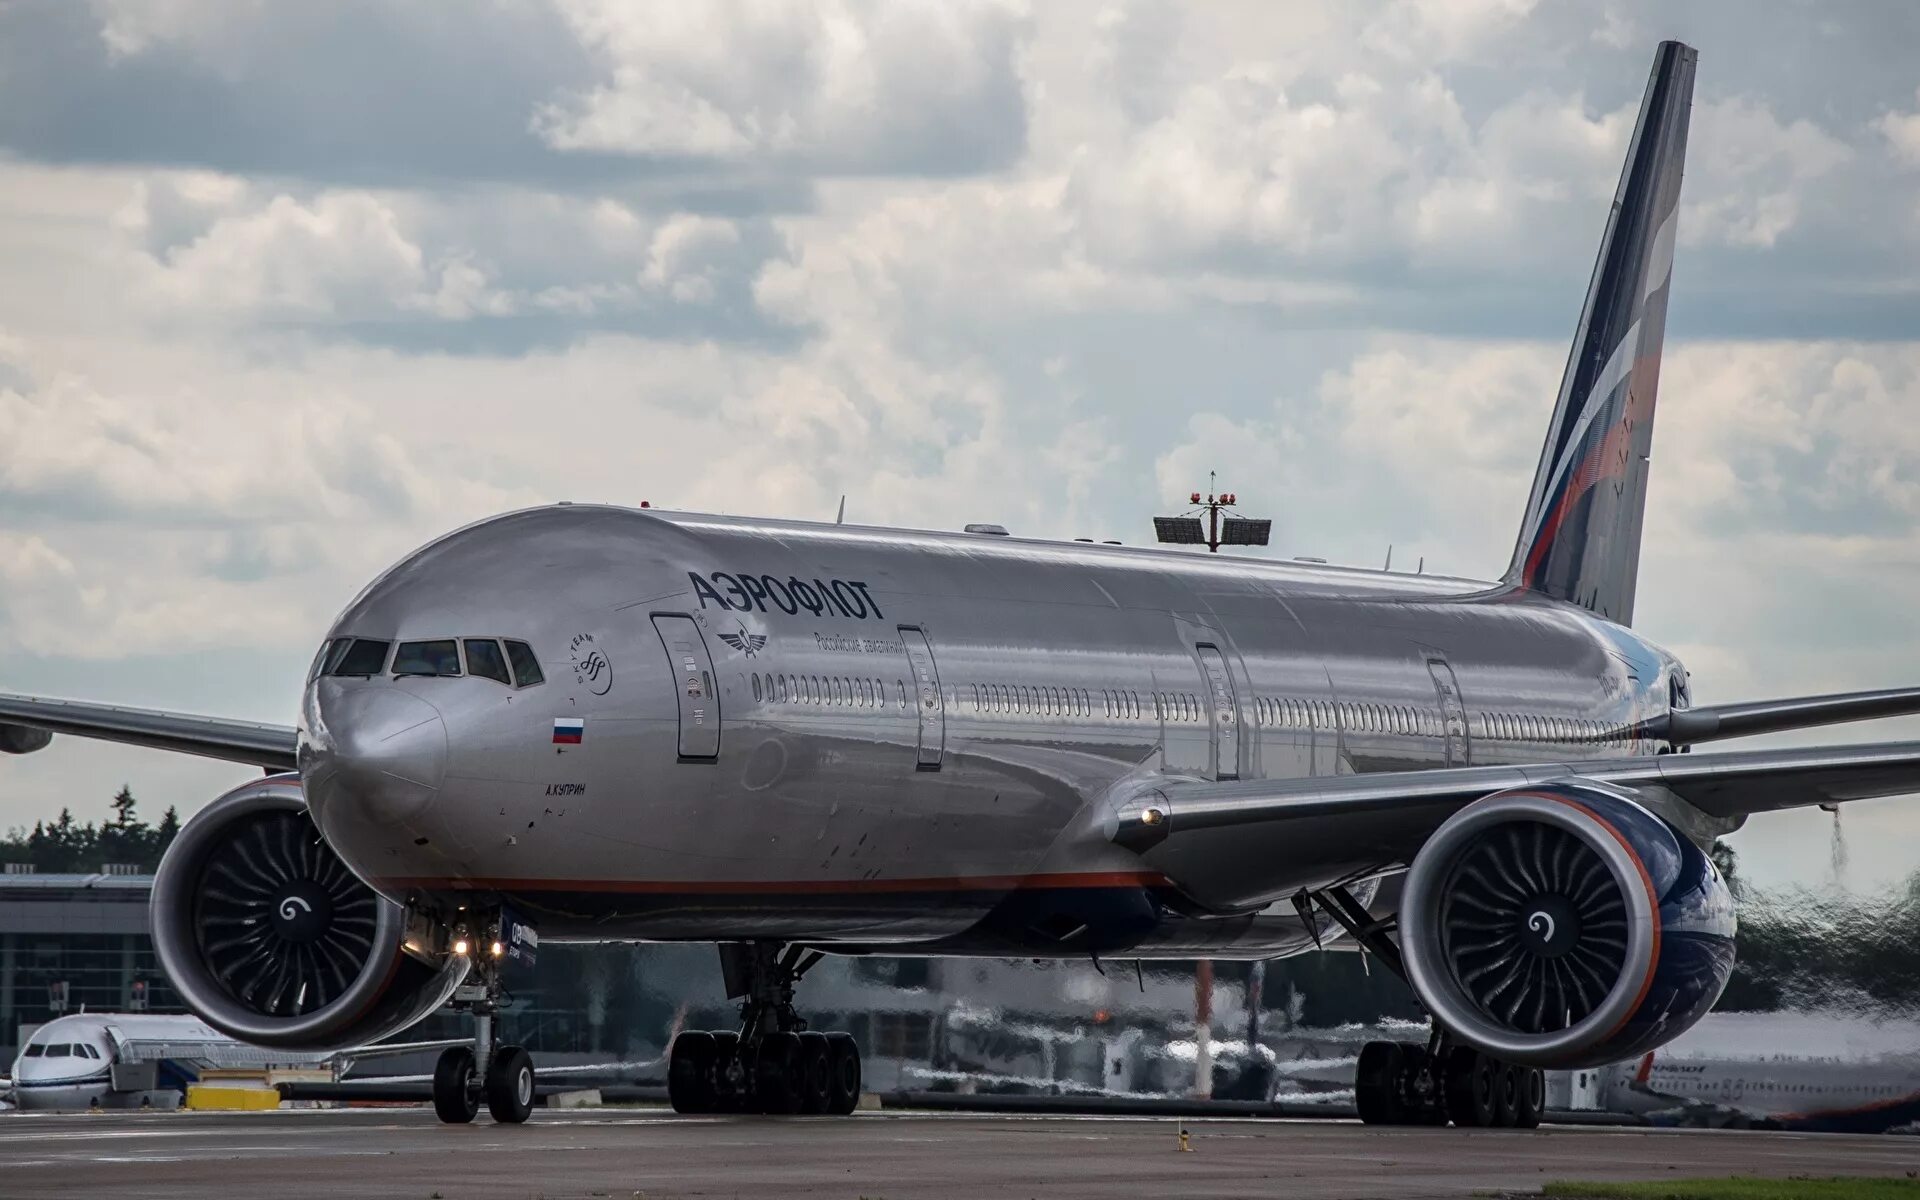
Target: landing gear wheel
x=776 y=1074
x=1376 y=1086
x=455 y=1100
x=1419 y=1105
x=1506 y=1093
x=732 y=1085
x=1471 y=1076
x=813 y=1073
x=690 y=1073
x=1531 y=1098
x=843 y=1074
x=510 y=1085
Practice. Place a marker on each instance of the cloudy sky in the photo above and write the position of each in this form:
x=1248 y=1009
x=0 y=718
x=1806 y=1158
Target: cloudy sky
x=289 y=288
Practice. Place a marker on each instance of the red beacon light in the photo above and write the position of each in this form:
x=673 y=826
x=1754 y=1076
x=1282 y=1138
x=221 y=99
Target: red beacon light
x=644 y=504
x=1194 y=499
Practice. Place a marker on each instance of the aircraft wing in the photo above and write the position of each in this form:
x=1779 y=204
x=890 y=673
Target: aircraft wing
x=22 y=717
x=1690 y=726
x=1248 y=843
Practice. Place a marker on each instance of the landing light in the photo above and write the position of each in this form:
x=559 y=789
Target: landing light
x=460 y=946
x=497 y=949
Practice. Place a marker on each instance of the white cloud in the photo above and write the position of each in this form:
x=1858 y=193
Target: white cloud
x=849 y=85
x=1749 y=173
x=1902 y=131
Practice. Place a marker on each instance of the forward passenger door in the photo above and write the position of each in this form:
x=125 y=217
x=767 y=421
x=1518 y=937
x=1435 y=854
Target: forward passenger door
x=694 y=685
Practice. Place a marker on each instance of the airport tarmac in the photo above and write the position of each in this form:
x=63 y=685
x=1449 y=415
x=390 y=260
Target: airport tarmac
x=347 y=1154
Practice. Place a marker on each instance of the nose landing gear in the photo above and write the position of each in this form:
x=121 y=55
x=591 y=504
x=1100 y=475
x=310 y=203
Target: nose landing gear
x=774 y=1064
x=501 y=1076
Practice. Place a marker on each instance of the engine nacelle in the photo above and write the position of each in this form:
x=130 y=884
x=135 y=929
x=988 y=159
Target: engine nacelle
x=1565 y=926
x=23 y=739
x=269 y=938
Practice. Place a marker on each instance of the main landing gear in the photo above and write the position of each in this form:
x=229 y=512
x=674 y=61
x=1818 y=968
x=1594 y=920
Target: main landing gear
x=774 y=1064
x=1406 y=1083
x=1401 y=1083
x=502 y=1076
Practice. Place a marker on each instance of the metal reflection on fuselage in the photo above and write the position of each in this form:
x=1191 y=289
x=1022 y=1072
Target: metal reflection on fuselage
x=837 y=789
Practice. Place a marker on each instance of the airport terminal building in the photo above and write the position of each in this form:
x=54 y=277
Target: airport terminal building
x=69 y=942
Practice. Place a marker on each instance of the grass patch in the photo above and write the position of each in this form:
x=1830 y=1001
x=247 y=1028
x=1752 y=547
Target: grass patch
x=1740 y=1187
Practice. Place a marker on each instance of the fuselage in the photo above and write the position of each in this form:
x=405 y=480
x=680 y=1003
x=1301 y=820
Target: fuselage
x=878 y=737
x=68 y=1062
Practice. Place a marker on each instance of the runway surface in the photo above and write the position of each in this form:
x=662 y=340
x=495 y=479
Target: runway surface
x=346 y=1154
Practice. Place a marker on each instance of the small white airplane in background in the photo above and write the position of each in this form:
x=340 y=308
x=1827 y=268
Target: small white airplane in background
x=146 y=1060
x=1817 y=1073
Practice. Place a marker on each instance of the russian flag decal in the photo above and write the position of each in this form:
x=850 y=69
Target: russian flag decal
x=569 y=731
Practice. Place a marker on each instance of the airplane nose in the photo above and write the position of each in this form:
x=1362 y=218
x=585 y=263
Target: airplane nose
x=379 y=757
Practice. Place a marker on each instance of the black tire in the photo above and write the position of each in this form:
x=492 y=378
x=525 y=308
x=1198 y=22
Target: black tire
x=690 y=1073
x=776 y=1074
x=455 y=1100
x=1418 y=1107
x=731 y=1092
x=1507 y=1082
x=813 y=1073
x=843 y=1074
x=510 y=1085
x=1377 y=1081
x=1470 y=1088
x=1532 y=1099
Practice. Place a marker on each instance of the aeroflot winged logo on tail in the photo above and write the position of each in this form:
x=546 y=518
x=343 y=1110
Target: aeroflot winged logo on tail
x=764 y=593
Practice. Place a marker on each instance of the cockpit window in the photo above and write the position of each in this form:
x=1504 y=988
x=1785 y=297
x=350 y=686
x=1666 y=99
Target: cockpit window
x=427 y=658
x=485 y=660
x=363 y=657
x=526 y=668
x=60 y=1050
x=36 y=1050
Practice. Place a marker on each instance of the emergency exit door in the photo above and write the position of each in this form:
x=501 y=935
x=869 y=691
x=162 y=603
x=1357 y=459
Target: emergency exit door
x=928 y=700
x=1225 y=709
x=693 y=686
x=1453 y=712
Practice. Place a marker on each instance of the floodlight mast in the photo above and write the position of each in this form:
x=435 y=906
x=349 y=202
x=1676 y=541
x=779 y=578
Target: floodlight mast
x=1187 y=530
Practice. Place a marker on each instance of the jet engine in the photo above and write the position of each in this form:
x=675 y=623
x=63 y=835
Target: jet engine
x=1565 y=926
x=268 y=937
x=23 y=739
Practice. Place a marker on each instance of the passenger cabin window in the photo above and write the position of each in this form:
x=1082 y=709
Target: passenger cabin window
x=364 y=657
x=485 y=660
x=526 y=668
x=441 y=657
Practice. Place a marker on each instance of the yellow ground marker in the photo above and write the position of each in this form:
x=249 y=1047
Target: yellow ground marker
x=202 y=1097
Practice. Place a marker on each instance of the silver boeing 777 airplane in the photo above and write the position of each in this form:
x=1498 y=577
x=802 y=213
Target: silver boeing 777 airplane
x=589 y=723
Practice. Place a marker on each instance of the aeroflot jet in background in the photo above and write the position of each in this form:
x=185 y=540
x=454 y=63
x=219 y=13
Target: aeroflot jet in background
x=584 y=723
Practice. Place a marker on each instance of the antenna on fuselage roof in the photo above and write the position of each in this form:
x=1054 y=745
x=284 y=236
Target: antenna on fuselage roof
x=1188 y=530
x=841 y=517
x=1389 y=565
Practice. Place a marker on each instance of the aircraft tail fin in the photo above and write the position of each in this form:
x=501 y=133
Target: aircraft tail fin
x=1580 y=540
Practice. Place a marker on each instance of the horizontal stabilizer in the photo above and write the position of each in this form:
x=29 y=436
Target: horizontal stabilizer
x=1691 y=726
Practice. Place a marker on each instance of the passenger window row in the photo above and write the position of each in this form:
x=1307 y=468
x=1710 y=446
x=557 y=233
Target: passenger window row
x=1031 y=699
x=840 y=690
x=515 y=666
x=1178 y=706
x=1526 y=727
